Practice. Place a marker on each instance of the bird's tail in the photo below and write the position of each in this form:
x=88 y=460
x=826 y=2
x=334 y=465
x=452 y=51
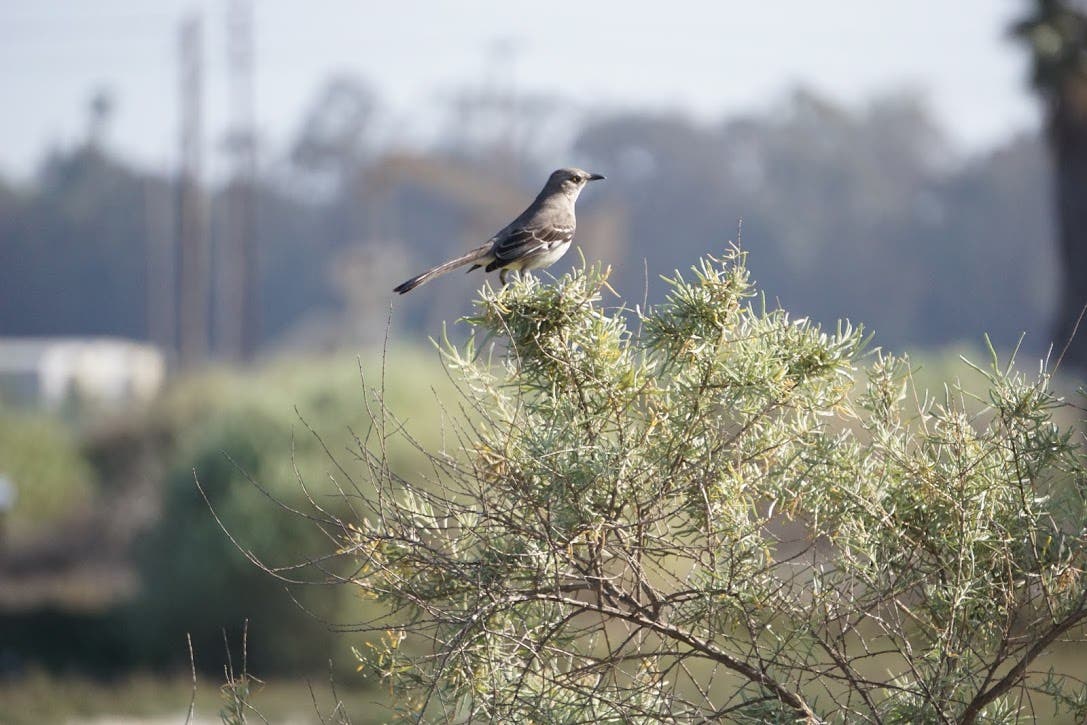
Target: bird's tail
x=473 y=256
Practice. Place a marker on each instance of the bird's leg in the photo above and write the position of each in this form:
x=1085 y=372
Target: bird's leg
x=502 y=276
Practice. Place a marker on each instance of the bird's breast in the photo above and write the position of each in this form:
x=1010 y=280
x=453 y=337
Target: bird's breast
x=546 y=257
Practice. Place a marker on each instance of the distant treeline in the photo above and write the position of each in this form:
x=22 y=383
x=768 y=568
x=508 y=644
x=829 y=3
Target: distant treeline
x=866 y=213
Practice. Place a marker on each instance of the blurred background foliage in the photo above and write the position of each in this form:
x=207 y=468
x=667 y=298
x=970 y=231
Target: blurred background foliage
x=866 y=212
x=121 y=493
x=113 y=499
x=234 y=434
x=56 y=480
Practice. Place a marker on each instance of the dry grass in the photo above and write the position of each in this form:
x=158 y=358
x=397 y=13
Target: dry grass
x=148 y=699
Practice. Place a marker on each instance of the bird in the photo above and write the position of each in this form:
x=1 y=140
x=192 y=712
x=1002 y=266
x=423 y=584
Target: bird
x=535 y=239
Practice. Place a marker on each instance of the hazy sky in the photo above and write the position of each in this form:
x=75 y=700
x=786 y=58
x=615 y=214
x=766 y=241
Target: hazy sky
x=708 y=58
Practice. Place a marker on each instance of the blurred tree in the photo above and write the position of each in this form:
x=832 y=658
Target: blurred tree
x=193 y=582
x=1056 y=35
x=240 y=436
x=334 y=139
x=72 y=256
x=853 y=212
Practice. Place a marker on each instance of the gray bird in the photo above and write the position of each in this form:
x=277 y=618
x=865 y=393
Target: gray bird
x=534 y=240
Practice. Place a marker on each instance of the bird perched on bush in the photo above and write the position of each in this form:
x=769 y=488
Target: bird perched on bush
x=535 y=239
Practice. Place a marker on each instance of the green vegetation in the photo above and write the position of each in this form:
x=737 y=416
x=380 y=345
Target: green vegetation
x=727 y=513
x=770 y=463
x=243 y=440
x=116 y=501
x=41 y=456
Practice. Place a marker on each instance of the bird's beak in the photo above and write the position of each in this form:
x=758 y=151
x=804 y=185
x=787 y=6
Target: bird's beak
x=596 y=177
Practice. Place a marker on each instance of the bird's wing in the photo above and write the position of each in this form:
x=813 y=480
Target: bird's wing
x=524 y=241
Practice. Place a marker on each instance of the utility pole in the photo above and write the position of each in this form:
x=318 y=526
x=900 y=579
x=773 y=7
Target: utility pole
x=192 y=237
x=238 y=295
x=161 y=265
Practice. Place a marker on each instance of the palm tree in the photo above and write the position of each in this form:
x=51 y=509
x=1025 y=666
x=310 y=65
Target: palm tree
x=1056 y=34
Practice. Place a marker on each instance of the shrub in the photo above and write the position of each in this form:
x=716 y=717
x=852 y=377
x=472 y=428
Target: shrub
x=722 y=513
x=42 y=459
x=242 y=439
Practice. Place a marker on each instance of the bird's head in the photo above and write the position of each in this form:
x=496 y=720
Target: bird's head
x=570 y=181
